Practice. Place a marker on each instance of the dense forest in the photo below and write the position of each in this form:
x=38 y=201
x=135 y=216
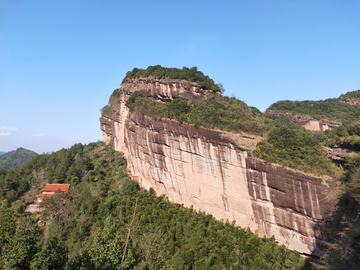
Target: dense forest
x=107 y=221
x=15 y=159
x=187 y=74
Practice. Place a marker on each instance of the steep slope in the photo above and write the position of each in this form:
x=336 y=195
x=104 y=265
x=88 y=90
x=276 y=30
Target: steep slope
x=17 y=158
x=217 y=172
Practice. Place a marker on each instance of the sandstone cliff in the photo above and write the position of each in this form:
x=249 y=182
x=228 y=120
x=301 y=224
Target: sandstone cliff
x=216 y=172
x=164 y=89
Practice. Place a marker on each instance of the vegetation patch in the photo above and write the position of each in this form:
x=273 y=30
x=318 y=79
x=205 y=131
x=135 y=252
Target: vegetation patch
x=350 y=95
x=228 y=114
x=115 y=97
x=114 y=100
x=294 y=147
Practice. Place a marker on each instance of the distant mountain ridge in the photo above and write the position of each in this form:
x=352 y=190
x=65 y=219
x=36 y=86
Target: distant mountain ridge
x=2 y=153
x=15 y=159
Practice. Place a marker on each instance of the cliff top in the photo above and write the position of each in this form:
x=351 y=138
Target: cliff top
x=187 y=74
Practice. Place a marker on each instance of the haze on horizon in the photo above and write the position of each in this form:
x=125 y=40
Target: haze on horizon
x=62 y=60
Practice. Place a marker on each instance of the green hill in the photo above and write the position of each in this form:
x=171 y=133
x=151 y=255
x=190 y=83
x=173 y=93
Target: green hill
x=331 y=109
x=15 y=159
x=109 y=222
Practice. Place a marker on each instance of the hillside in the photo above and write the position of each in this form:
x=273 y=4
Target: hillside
x=109 y=221
x=345 y=110
x=1 y=153
x=340 y=109
x=17 y=158
x=163 y=124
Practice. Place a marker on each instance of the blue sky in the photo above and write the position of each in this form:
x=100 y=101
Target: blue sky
x=61 y=60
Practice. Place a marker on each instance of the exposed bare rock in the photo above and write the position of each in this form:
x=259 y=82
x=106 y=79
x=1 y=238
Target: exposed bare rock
x=338 y=154
x=165 y=89
x=350 y=101
x=307 y=122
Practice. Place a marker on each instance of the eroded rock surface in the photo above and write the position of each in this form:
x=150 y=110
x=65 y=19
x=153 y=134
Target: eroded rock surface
x=165 y=89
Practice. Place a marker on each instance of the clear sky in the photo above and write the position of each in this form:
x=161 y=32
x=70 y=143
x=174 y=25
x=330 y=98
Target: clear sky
x=61 y=60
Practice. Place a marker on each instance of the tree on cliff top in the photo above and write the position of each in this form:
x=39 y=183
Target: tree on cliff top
x=187 y=74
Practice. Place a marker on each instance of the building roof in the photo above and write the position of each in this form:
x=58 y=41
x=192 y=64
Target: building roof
x=55 y=187
x=43 y=195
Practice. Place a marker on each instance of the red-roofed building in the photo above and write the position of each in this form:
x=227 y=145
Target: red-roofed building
x=50 y=189
x=47 y=191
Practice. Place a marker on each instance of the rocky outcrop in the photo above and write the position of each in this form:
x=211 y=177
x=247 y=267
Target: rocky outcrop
x=217 y=172
x=350 y=101
x=165 y=89
x=307 y=122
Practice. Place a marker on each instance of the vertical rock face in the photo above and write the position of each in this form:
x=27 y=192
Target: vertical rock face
x=164 y=89
x=217 y=174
